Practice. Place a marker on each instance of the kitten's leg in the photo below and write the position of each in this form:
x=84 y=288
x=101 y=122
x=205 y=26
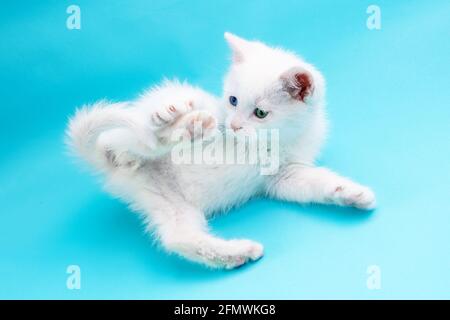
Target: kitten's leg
x=120 y=147
x=319 y=185
x=182 y=116
x=104 y=132
x=152 y=132
x=182 y=229
x=152 y=136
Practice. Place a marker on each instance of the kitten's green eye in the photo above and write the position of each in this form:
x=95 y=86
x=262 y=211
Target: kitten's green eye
x=259 y=113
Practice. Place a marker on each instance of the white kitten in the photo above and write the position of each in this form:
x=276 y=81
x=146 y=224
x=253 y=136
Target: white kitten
x=266 y=88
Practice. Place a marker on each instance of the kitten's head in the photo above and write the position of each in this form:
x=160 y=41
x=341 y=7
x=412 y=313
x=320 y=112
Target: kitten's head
x=269 y=87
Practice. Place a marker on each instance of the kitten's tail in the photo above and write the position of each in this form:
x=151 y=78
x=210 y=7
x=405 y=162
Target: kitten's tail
x=88 y=123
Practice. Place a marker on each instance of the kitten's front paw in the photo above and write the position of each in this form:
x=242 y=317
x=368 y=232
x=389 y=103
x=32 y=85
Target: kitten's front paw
x=169 y=114
x=354 y=195
x=199 y=124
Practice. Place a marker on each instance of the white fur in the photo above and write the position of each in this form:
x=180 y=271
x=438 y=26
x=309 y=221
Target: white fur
x=130 y=143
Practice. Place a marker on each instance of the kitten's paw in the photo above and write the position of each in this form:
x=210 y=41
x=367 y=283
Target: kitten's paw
x=355 y=195
x=169 y=114
x=123 y=159
x=236 y=253
x=199 y=124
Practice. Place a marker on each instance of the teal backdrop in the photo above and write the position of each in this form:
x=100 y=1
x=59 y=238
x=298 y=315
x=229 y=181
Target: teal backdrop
x=389 y=106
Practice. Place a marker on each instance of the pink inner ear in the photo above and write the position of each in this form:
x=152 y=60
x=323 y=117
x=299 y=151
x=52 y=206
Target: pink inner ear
x=303 y=84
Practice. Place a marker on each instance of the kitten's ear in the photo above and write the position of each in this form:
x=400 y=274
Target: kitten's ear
x=237 y=45
x=298 y=82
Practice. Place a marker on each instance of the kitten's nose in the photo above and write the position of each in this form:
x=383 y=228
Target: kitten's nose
x=235 y=126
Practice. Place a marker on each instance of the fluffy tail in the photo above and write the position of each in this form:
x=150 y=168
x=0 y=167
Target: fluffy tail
x=88 y=123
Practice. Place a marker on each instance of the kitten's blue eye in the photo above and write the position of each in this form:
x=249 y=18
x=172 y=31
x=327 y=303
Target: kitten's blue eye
x=233 y=101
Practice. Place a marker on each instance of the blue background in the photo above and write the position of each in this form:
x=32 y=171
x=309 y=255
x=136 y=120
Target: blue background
x=389 y=105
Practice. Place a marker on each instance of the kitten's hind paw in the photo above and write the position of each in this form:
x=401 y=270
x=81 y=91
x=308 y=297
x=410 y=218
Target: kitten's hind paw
x=355 y=195
x=235 y=253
